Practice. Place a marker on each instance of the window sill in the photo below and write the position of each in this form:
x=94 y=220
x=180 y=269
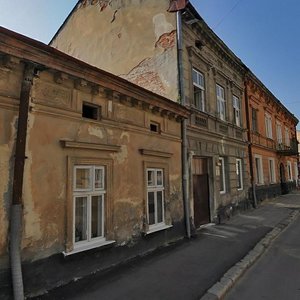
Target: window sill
x=88 y=246
x=158 y=228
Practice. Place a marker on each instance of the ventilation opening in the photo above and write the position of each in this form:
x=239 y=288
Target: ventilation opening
x=90 y=111
x=198 y=44
x=154 y=127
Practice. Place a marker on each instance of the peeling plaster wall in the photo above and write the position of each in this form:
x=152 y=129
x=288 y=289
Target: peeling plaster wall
x=106 y=33
x=9 y=91
x=55 y=115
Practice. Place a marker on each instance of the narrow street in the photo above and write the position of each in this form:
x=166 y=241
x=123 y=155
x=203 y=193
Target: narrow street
x=275 y=276
x=187 y=270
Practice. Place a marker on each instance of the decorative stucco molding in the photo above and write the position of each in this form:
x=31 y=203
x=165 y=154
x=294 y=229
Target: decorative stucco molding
x=156 y=153
x=90 y=146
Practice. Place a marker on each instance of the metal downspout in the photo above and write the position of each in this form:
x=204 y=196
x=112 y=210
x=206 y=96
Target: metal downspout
x=17 y=203
x=183 y=126
x=250 y=147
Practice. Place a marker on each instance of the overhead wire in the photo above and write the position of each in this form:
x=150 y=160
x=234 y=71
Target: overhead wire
x=227 y=14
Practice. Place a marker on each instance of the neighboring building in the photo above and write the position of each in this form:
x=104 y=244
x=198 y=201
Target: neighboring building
x=272 y=140
x=137 y=40
x=103 y=168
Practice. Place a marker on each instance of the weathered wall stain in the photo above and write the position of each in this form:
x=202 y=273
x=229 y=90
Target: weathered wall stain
x=154 y=68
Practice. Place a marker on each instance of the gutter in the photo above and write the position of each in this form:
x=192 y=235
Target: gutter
x=17 y=201
x=250 y=147
x=183 y=127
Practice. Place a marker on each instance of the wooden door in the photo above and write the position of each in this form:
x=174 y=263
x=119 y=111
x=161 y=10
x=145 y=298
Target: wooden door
x=201 y=192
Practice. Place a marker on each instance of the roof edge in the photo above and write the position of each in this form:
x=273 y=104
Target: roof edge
x=65 y=22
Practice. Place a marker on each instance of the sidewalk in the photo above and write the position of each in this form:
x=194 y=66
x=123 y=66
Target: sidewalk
x=189 y=269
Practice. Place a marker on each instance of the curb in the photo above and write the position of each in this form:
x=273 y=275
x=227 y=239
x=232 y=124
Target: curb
x=219 y=289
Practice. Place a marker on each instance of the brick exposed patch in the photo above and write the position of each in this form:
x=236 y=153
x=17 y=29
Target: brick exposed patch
x=166 y=40
x=102 y=3
x=145 y=75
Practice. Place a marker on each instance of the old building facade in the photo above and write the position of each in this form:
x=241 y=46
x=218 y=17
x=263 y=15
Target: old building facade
x=102 y=169
x=273 y=141
x=212 y=77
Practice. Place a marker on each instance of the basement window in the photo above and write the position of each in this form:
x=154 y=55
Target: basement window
x=91 y=111
x=154 y=127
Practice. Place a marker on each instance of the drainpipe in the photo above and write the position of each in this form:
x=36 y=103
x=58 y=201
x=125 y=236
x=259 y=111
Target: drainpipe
x=250 y=147
x=17 y=203
x=183 y=127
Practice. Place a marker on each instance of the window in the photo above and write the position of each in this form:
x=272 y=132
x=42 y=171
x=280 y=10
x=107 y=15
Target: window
x=295 y=171
x=237 y=110
x=91 y=111
x=259 y=170
x=222 y=175
x=221 y=109
x=289 y=167
x=279 y=133
x=239 y=174
x=268 y=124
x=272 y=170
x=287 y=137
x=154 y=127
x=198 y=82
x=254 y=119
x=155 y=198
x=89 y=204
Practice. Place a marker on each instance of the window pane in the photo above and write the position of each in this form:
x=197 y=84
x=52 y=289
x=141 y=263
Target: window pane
x=83 y=178
x=151 y=178
x=159 y=207
x=99 y=179
x=239 y=174
x=151 y=208
x=221 y=175
x=194 y=76
x=257 y=166
x=81 y=219
x=97 y=216
x=159 y=177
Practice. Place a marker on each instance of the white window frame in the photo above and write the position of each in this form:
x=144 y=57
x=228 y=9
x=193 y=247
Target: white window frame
x=289 y=171
x=89 y=192
x=221 y=102
x=271 y=166
x=239 y=173
x=198 y=84
x=268 y=124
x=155 y=189
x=222 y=175
x=287 y=136
x=259 y=180
x=279 y=133
x=236 y=103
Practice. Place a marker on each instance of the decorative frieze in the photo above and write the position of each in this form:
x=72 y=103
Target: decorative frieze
x=52 y=95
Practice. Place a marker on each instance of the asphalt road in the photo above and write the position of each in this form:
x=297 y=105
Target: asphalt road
x=276 y=275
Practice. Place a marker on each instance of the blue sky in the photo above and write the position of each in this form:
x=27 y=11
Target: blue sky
x=265 y=34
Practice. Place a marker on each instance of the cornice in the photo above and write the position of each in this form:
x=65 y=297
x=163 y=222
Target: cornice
x=90 y=146
x=156 y=153
x=256 y=86
x=215 y=43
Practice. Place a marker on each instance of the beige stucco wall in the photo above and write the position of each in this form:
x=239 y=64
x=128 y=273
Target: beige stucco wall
x=55 y=115
x=116 y=37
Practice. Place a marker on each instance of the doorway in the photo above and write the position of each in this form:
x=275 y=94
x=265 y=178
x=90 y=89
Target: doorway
x=283 y=184
x=201 y=191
